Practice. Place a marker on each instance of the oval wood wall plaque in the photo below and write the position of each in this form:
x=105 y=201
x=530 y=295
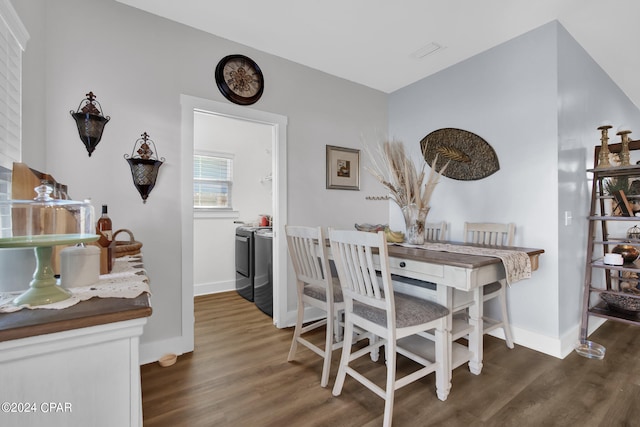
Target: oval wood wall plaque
x=471 y=157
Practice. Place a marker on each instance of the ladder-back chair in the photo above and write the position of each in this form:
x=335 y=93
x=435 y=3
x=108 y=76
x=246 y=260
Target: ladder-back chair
x=497 y=235
x=372 y=305
x=315 y=288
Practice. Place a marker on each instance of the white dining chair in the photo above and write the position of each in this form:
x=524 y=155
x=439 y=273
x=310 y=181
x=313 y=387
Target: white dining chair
x=315 y=288
x=372 y=305
x=495 y=234
x=435 y=231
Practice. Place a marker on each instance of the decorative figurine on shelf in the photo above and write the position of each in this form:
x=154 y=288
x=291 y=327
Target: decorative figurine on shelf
x=624 y=154
x=603 y=156
x=633 y=233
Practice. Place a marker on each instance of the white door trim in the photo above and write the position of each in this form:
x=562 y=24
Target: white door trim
x=279 y=158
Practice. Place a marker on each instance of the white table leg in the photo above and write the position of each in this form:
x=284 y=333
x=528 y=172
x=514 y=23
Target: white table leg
x=443 y=374
x=475 y=336
x=445 y=298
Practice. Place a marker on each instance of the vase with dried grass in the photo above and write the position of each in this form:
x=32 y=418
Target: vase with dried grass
x=394 y=169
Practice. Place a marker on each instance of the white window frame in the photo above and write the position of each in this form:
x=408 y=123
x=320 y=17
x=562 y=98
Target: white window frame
x=217 y=212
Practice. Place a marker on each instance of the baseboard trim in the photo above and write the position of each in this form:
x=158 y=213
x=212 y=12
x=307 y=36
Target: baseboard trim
x=559 y=347
x=213 y=287
x=152 y=351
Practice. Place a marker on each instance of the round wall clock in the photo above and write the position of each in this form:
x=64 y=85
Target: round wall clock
x=239 y=79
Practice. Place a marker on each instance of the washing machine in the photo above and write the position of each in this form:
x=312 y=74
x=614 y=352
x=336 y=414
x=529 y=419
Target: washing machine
x=263 y=273
x=245 y=261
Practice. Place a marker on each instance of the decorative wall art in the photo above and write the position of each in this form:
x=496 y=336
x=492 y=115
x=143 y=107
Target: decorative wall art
x=90 y=121
x=144 y=164
x=239 y=79
x=471 y=157
x=343 y=168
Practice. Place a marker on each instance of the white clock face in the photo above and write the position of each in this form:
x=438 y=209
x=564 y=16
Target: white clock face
x=242 y=78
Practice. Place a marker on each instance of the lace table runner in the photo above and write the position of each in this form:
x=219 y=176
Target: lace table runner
x=126 y=280
x=517 y=264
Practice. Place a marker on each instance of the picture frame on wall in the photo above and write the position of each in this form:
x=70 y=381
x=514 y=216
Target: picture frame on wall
x=343 y=168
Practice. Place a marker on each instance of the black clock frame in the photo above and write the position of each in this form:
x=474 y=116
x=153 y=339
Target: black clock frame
x=226 y=90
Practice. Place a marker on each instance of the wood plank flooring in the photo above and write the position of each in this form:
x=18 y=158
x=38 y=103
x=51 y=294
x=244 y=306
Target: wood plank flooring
x=238 y=375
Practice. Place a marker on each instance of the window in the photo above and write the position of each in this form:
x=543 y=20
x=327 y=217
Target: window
x=212 y=181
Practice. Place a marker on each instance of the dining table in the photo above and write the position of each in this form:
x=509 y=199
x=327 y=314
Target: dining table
x=453 y=274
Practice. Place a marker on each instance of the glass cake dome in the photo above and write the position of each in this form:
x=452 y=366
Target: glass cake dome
x=43 y=223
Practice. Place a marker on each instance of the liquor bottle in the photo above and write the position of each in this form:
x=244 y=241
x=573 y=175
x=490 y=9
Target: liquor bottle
x=104 y=228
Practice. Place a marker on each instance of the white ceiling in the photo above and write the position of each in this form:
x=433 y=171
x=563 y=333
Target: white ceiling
x=371 y=42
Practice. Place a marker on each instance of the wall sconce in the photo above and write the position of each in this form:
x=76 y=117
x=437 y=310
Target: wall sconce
x=144 y=166
x=90 y=121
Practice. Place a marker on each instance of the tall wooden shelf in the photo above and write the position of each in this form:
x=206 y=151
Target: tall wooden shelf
x=601 y=278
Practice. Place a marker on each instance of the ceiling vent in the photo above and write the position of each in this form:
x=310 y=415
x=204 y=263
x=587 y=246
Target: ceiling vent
x=426 y=50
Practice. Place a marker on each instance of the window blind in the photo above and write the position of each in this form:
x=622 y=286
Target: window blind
x=212 y=181
x=13 y=39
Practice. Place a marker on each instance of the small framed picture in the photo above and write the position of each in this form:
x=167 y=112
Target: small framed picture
x=343 y=168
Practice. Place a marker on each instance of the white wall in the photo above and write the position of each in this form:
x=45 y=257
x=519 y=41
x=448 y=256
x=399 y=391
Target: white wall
x=214 y=235
x=138 y=65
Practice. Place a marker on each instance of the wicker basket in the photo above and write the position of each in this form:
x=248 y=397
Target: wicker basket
x=622 y=303
x=123 y=248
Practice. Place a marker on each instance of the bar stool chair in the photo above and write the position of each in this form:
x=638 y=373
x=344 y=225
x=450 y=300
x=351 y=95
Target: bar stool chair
x=315 y=288
x=394 y=318
x=435 y=231
x=498 y=235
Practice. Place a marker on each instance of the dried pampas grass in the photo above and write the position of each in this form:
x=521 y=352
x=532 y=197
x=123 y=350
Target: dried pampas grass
x=391 y=166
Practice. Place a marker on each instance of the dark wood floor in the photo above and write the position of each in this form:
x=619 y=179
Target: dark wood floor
x=238 y=375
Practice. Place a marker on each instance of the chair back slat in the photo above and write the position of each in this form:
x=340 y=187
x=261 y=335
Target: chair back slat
x=309 y=258
x=353 y=254
x=489 y=233
x=435 y=231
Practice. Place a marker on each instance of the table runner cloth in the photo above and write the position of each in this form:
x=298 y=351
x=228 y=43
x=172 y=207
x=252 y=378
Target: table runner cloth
x=127 y=280
x=517 y=264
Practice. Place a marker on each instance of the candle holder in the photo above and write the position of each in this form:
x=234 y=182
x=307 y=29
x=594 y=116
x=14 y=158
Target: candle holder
x=624 y=154
x=603 y=156
x=90 y=121
x=144 y=165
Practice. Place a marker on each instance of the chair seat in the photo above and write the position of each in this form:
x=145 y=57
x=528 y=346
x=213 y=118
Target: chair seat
x=320 y=293
x=491 y=288
x=410 y=311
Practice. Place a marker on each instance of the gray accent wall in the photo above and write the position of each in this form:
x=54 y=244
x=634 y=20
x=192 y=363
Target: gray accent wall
x=537 y=99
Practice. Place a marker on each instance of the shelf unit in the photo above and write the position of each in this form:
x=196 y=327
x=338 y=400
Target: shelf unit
x=601 y=278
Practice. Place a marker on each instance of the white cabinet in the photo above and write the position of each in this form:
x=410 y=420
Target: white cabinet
x=80 y=377
x=77 y=366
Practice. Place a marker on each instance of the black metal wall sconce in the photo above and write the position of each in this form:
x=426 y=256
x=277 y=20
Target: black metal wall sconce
x=144 y=165
x=90 y=121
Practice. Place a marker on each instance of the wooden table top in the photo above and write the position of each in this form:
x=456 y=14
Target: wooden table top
x=456 y=259
x=93 y=312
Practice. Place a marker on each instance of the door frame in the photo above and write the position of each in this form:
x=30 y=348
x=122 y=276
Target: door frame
x=278 y=123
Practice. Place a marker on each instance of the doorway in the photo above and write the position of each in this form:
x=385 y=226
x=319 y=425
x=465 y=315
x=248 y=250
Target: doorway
x=277 y=124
